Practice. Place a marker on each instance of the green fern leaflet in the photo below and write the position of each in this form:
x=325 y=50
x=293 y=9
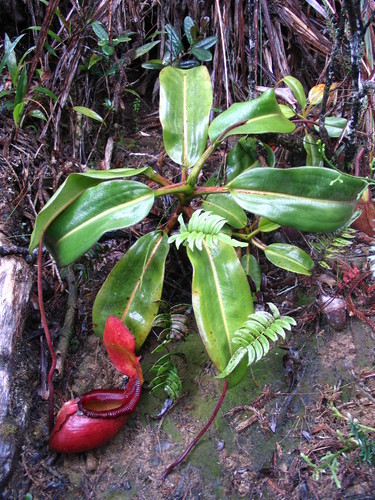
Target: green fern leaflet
x=255 y=335
x=203 y=226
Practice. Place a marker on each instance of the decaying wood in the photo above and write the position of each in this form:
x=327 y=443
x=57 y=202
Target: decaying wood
x=15 y=287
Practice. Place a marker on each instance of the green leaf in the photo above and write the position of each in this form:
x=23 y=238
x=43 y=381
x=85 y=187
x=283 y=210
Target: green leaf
x=202 y=55
x=306 y=198
x=266 y=226
x=17 y=113
x=185 y=104
x=244 y=156
x=11 y=60
x=289 y=257
x=69 y=191
x=9 y=49
x=51 y=33
x=287 y=111
x=21 y=87
x=95 y=58
x=254 y=334
x=221 y=301
x=190 y=29
x=225 y=206
x=314 y=155
x=88 y=112
x=252 y=269
x=107 y=49
x=144 y=49
x=47 y=92
x=334 y=125
x=175 y=44
x=99 y=31
x=37 y=113
x=206 y=43
x=108 y=206
x=188 y=64
x=297 y=89
x=261 y=115
x=153 y=64
x=133 y=288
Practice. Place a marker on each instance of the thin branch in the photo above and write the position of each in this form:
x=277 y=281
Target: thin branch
x=170 y=468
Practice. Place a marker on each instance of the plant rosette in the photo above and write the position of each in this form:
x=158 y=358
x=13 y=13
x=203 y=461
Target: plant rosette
x=94 y=418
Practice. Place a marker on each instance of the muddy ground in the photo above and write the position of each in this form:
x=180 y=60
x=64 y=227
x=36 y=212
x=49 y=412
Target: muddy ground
x=253 y=449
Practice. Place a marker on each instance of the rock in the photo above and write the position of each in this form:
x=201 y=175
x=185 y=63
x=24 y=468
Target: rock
x=15 y=287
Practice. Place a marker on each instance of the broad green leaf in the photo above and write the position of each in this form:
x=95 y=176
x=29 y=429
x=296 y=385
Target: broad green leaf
x=225 y=206
x=289 y=257
x=185 y=103
x=95 y=58
x=153 y=64
x=133 y=288
x=221 y=301
x=69 y=191
x=334 y=125
x=266 y=226
x=144 y=49
x=17 y=113
x=244 y=156
x=252 y=269
x=175 y=44
x=202 y=55
x=107 y=49
x=188 y=64
x=297 y=89
x=314 y=155
x=190 y=29
x=287 y=111
x=108 y=206
x=206 y=43
x=262 y=115
x=307 y=198
x=99 y=31
x=37 y=113
x=88 y=112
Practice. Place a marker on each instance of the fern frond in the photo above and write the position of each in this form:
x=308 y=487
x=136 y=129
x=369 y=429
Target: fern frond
x=167 y=378
x=175 y=324
x=203 y=226
x=331 y=245
x=255 y=335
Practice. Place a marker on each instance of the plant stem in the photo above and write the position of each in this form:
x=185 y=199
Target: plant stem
x=47 y=335
x=182 y=457
x=193 y=176
x=180 y=188
x=151 y=174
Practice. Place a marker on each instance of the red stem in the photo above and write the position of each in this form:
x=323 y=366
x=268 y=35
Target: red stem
x=47 y=335
x=182 y=457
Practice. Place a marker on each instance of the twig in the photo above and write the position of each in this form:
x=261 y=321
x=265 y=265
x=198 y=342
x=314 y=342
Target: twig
x=47 y=334
x=182 y=457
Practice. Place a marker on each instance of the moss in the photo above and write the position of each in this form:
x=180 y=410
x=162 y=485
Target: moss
x=8 y=429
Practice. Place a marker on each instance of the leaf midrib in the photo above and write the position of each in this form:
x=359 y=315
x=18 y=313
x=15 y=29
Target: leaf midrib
x=102 y=215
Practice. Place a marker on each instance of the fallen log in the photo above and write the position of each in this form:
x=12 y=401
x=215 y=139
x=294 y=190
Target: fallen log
x=15 y=287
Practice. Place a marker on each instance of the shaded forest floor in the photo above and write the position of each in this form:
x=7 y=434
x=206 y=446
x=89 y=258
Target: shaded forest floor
x=282 y=409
